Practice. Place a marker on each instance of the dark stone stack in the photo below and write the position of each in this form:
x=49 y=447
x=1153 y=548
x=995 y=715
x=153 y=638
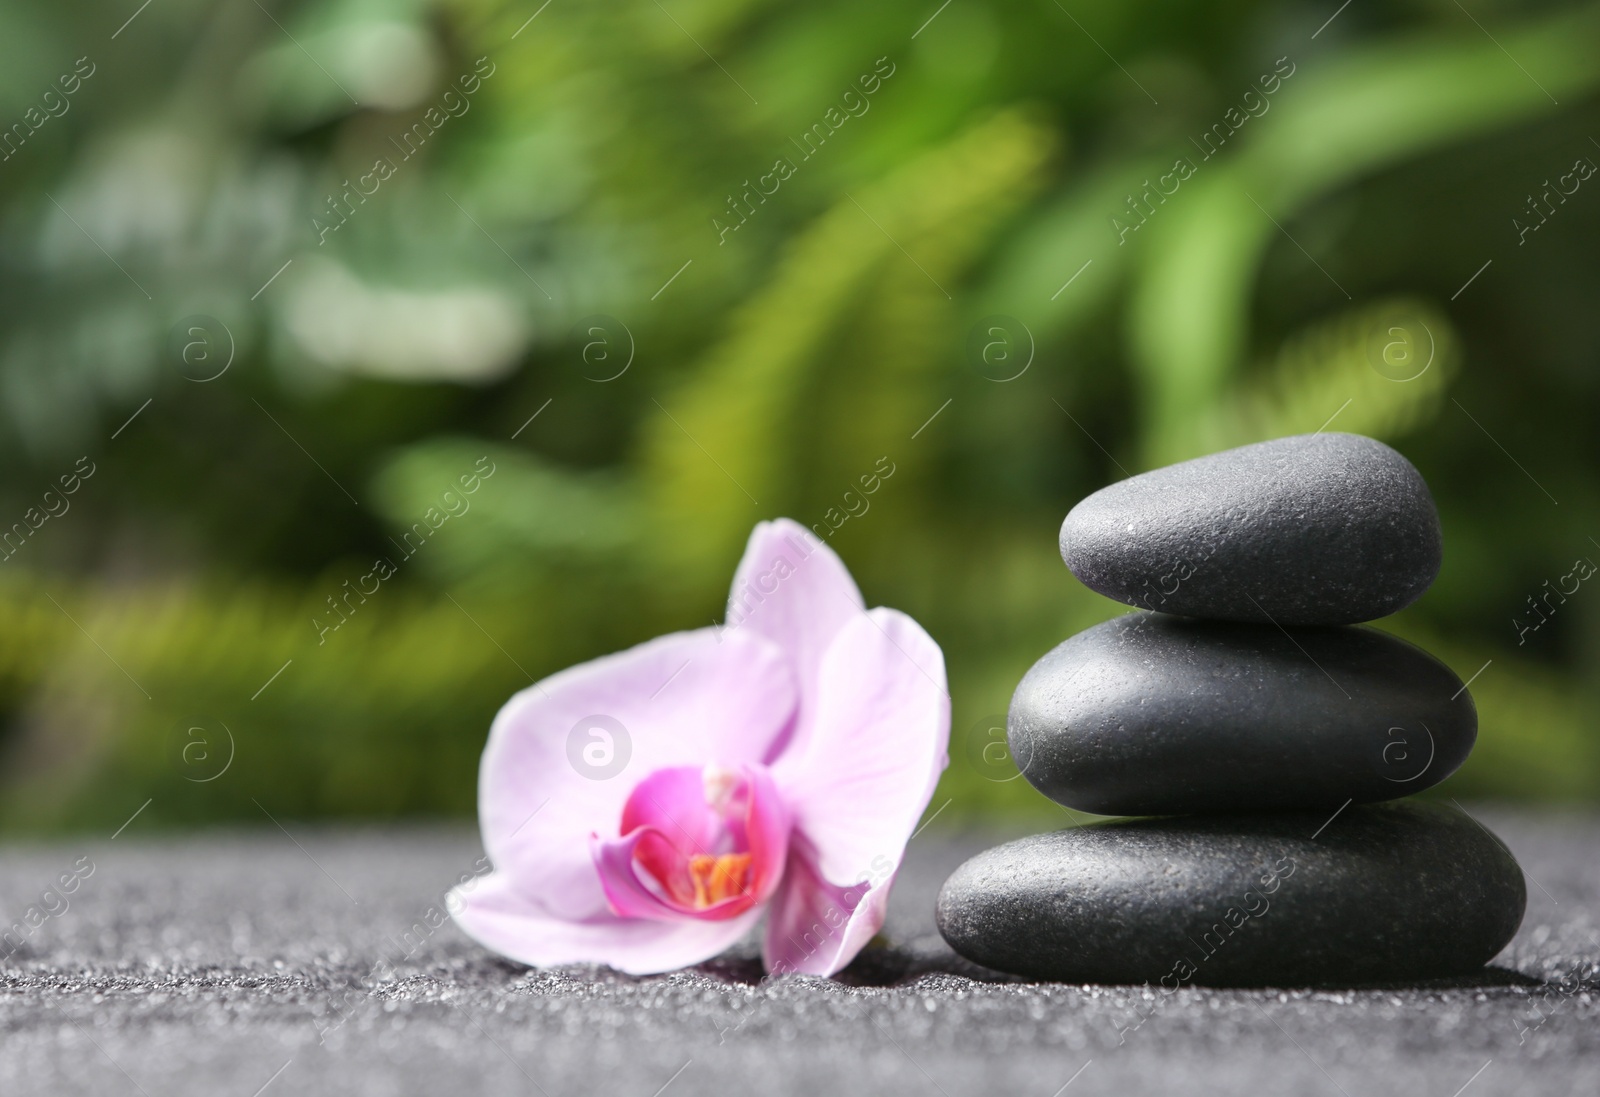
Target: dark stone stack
x=1245 y=699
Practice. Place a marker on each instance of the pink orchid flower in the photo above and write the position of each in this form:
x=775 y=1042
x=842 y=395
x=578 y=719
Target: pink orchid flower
x=645 y=809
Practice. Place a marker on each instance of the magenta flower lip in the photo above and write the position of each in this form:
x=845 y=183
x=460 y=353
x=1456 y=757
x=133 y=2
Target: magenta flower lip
x=774 y=767
x=697 y=842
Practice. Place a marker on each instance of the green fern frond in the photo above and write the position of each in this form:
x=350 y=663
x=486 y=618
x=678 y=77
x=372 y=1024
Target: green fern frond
x=527 y=512
x=714 y=458
x=1381 y=370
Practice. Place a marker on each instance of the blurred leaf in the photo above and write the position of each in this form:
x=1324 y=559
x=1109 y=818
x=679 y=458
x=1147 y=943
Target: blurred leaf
x=1190 y=309
x=1379 y=370
x=526 y=512
x=716 y=450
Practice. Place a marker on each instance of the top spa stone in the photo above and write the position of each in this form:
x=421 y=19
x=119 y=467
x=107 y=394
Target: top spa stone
x=1316 y=529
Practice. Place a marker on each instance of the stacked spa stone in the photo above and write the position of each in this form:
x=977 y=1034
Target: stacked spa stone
x=1244 y=707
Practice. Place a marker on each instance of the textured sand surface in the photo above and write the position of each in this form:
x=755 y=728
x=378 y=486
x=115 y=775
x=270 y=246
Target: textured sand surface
x=258 y=963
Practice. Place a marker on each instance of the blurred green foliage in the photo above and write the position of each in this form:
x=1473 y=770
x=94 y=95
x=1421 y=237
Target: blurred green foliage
x=421 y=238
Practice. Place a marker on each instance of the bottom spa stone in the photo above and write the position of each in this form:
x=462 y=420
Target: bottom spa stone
x=1382 y=893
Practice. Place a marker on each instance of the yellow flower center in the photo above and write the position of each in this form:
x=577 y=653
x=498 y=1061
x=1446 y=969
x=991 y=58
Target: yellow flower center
x=718 y=878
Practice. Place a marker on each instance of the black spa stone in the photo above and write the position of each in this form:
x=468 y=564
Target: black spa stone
x=1150 y=714
x=1317 y=529
x=1381 y=894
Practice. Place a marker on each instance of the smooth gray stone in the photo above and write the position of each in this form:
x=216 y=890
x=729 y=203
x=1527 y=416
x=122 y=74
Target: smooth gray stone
x=1149 y=714
x=1382 y=894
x=1316 y=529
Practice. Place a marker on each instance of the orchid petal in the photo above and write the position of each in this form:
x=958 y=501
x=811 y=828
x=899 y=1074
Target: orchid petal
x=817 y=928
x=795 y=591
x=882 y=730
x=628 y=895
x=499 y=916
x=683 y=699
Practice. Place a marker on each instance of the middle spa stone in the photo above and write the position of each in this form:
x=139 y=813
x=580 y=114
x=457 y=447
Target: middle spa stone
x=1150 y=714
